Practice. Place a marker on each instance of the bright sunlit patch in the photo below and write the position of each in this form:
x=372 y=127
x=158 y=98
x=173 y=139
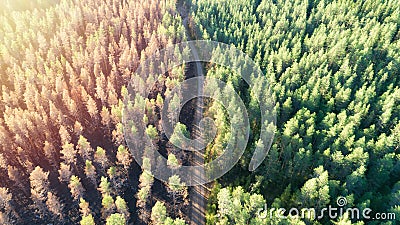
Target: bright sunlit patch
x=21 y=5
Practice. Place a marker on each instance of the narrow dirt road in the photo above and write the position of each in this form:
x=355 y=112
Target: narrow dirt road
x=197 y=194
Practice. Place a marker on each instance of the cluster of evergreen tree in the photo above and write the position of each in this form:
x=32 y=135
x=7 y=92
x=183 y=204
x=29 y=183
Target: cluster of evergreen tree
x=64 y=66
x=334 y=68
x=63 y=70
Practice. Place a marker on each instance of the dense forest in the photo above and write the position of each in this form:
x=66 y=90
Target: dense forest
x=334 y=67
x=63 y=157
x=65 y=69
